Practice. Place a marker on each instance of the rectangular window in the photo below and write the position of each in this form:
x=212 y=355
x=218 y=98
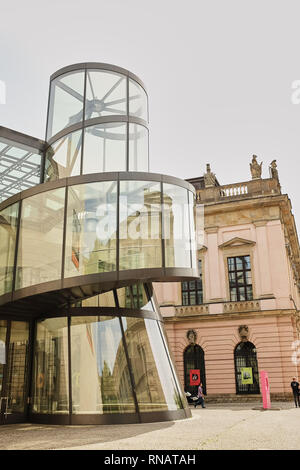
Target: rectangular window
x=240 y=279
x=192 y=291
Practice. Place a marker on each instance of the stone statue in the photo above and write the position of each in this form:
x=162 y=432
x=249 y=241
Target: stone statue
x=273 y=170
x=209 y=177
x=255 y=168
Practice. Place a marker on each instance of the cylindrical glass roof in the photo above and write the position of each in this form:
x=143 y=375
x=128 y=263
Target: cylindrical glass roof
x=97 y=122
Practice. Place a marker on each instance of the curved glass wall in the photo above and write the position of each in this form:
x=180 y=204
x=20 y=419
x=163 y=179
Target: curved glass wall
x=106 y=226
x=140 y=225
x=85 y=136
x=66 y=102
x=117 y=364
x=51 y=367
x=91 y=229
x=40 y=239
x=106 y=93
x=8 y=235
x=105 y=147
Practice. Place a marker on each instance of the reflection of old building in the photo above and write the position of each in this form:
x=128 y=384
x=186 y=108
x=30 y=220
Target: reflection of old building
x=244 y=307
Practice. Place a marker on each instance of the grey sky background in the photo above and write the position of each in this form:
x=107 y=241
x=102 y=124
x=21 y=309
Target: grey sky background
x=218 y=73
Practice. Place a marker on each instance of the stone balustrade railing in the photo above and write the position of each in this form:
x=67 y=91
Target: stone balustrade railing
x=254 y=188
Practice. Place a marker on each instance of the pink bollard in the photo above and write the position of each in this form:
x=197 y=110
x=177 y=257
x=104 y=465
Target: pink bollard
x=265 y=389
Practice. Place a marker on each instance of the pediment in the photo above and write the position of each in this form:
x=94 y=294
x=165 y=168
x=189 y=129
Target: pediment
x=237 y=241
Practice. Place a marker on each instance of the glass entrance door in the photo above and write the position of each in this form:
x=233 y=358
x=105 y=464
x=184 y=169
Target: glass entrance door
x=14 y=357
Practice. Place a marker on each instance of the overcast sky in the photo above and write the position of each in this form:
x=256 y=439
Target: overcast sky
x=219 y=75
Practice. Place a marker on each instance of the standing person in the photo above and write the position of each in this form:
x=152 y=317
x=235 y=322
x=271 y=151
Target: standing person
x=295 y=388
x=200 y=396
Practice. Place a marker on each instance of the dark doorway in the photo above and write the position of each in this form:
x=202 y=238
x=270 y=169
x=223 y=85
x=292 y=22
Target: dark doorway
x=245 y=358
x=194 y=359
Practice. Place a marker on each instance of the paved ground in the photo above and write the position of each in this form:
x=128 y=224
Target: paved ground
x=231 y=426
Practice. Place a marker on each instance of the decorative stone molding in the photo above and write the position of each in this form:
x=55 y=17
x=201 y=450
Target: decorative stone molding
x=236 y=241
x=188 y=310
x=246 y=306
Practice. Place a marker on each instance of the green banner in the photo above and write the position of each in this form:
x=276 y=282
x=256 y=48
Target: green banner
x=246 y=375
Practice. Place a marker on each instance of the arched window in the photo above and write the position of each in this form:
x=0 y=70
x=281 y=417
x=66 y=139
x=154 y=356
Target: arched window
x=246 y=369
x=194 y=359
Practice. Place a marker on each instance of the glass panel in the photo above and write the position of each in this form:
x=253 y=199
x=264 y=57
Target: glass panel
x=199 y=297
x=192 y=298
x=239 y=262
x=176 y=226
x=233 y=295
x=3 y=331
x=140 y=225
x=91 y=229
x=17 y=366
x=247 y=262
x=66 y=102
x=248 y=277
x=8 y=231
x=138 y=148
x=240 y=277
x=242 y=293
x=105 y=148
x=63 y=158
x=41 y=235
x=184 y=286
x=20 y=167
x=134 y=297
x=249 y=293
x=231 y=264
x=100 y=375
x=50 y=378
x=154 y=382
x=185 y=298
x=105 y=94
x=138 y=105
x=192 y=285
x=193 y=235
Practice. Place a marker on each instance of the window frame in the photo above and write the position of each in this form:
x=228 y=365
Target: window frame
x=189 y=290
x=235 y=284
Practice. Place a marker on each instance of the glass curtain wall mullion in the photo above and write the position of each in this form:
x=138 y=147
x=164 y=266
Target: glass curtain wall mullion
x=70 y=369
x=64 y=233
x=170 y=364
x=17 y=246
x=162 y=221
x=83 y=122
x=127 y=128
x=136 y=404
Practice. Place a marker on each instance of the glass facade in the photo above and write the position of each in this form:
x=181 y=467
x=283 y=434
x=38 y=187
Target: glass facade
x=177 y=232
x=66 y=102
x=106 y=93
x=155 y=385
x=91 y=100
x=63 y=158
x=40 y=240
x=91 y=229
x=20 y=165
x=78 y=253
x=100 y=375
x=8 y=234
x=51 y=368
x=106 y=226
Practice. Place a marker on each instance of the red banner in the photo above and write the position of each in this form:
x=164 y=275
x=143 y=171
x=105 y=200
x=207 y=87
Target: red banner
x=195 y=377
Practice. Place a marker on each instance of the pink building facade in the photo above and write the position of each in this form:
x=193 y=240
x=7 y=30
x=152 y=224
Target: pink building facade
x=243 y=312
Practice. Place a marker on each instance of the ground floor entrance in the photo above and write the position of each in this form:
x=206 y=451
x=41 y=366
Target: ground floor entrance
x=14 y=371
